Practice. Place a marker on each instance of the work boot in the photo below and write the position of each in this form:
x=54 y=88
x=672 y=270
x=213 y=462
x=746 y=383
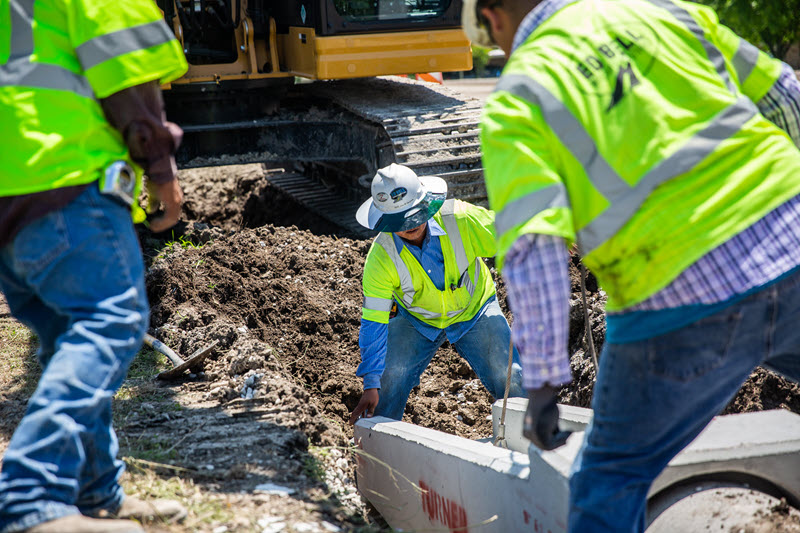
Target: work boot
x=164 y=511
x=77 y=523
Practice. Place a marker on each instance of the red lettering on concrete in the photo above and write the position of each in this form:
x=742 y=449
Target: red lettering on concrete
x=443 y=510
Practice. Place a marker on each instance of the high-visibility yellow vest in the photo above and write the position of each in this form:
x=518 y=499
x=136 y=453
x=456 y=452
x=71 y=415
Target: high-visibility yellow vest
x=630 y=128
x=468 y=283
x=57 y=58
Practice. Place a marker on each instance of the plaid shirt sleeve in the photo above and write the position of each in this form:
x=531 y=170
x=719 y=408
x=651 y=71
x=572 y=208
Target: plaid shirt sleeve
x=536 y=273
x=781 y=104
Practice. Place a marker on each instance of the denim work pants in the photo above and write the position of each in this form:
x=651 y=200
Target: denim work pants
x=408 y=354
x=653 y=397
x=76 y=277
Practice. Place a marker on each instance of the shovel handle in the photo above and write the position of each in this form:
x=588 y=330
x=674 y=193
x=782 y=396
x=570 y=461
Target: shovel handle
x=162 y=348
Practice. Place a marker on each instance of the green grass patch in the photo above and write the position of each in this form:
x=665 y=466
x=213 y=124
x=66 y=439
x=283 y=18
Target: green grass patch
x=19 y=369
x=147 y=364
x=140 y=388
x=149 y=448
x=132 y=399
x=183 y=242
x=146 y=480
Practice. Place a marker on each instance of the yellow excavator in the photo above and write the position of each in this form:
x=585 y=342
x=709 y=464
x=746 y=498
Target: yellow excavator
x=322 y=40
x=304 y=83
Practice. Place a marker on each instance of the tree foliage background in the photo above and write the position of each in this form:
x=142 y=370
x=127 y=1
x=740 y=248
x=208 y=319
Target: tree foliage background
x=770 y=24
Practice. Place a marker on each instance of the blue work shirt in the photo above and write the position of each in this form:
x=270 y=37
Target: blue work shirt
x=372 y=336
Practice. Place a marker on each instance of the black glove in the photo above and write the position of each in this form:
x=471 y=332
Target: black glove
x=541 y=419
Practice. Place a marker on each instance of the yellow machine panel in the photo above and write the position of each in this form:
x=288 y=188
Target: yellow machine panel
x=358 y=56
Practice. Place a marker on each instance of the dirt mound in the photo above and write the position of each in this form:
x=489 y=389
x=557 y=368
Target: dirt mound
x=298 y=294
x=297 y=289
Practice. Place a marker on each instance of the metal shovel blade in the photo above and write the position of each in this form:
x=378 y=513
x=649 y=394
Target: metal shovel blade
x=195 y=359
x=180 y=365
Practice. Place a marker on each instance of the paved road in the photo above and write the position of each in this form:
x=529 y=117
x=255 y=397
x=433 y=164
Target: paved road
x=478 y=88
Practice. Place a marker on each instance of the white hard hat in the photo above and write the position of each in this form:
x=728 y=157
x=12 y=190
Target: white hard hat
x=476 y=30
x=401 y=200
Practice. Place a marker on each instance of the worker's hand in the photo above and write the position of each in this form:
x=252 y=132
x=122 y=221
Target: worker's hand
x=170 y=195
x=541 y=419
x=366 y=405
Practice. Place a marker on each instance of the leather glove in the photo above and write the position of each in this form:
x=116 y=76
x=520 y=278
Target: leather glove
x=541 y=419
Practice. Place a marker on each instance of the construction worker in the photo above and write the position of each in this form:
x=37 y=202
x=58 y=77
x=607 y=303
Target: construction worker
x=427 y=265
x=81 y=112
x=666 y=147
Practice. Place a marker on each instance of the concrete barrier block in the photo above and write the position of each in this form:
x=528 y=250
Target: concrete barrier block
x=439 y=481
x=569 y=419
x=419 y=478
x=763 y=445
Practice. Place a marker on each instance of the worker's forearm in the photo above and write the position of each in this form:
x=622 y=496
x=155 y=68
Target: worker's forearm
x=781 y=104
x=372 y=342
x=138 y=114
x=536 y=273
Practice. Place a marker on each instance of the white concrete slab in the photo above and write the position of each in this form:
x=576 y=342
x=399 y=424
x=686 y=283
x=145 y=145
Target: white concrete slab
x=570 y=419
x=453 y=484
x=419 y=478
x=763 y=445
x=760 y=445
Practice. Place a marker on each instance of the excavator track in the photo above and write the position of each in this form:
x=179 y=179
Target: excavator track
x=428 y=127
x=320 y=199
x=336 y=134
x=433 y=129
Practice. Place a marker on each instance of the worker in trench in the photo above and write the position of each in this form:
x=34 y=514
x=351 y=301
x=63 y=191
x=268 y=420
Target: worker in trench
x=81 y=115
x=425 y=282
x=666 y=147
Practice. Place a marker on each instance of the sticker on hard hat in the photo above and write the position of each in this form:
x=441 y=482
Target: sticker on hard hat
x=398 y=194
x=381 y=196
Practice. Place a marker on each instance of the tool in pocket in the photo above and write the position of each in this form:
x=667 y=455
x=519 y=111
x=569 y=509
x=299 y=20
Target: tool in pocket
x=119 y=182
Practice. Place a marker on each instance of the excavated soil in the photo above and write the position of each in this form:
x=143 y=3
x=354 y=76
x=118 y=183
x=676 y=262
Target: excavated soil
x=278 y=289
x=297 y=288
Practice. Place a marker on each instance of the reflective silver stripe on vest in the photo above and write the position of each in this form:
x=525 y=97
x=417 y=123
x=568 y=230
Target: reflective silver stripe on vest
x=377 y=304
x=714 y=54
x=745 y=59
x=21 y=71
x=462 y=263
x=467 y=282
x=454 y=234
x=569 y=130
x=407 y=284
x=111 y=45
x=724 y=125
x=21 y=28
x=519 y=211
x=624 y=202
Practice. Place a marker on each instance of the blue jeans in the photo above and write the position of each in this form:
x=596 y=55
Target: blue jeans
x=653 y=397
x=76 y=278
x=408 y=354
